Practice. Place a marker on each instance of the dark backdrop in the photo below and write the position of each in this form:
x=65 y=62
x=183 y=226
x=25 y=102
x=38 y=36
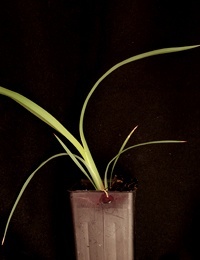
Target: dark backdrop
x=53 y=52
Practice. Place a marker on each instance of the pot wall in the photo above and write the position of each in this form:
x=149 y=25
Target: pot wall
x=104 y=228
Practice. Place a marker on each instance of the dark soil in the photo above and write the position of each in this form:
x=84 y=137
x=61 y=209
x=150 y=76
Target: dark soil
x=119 y=183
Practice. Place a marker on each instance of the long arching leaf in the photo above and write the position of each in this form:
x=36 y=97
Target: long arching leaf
x=23 y=189
x=115 y=67
x=43 y=115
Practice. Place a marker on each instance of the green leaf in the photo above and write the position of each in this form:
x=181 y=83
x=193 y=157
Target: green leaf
x=75 y=160
x=117 y=157
x=22 y=191
x=115 y=67
x=43 y=115
x=138 y=145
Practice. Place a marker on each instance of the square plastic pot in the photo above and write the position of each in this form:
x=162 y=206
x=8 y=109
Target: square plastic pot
x=103 y=226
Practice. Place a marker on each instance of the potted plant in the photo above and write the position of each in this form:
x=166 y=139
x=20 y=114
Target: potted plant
x=108 y=213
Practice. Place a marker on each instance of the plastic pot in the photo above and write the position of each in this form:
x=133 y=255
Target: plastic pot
x=103 y=226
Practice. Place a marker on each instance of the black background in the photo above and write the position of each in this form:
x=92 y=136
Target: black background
x=53 y=52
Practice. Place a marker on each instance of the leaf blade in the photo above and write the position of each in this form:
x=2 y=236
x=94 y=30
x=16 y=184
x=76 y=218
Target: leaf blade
x=115 y=67
x=43 y=115
x=22 y=191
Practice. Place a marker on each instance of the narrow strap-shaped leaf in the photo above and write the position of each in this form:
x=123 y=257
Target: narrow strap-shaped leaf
x=43 y=115
x=93 y=178
x=138 y=145
x=153 y=142
x=118 y=65
x=116 y=159
x=22 y=191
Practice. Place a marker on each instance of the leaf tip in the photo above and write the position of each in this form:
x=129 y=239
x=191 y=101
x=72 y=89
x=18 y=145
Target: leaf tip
x=3 y=240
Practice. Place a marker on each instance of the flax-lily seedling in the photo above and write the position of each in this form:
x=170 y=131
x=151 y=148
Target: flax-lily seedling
x=83 y=159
